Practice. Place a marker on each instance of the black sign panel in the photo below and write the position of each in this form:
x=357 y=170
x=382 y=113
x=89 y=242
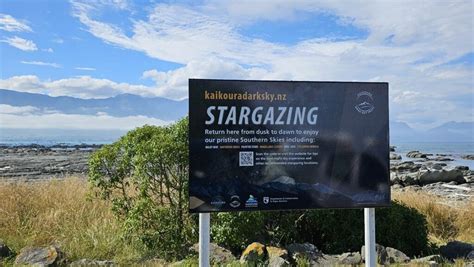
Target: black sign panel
x=271 y=145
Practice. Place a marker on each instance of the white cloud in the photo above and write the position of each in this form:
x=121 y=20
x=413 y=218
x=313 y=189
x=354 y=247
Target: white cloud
x=18 y=110
x=81 y=86
x=20 y=43
x=58 y=40
x=174 y=83
x=85 y=68
x=49 y=50
x=75 y=121
x=409 y=45
x=41 y=63
x=10 y=24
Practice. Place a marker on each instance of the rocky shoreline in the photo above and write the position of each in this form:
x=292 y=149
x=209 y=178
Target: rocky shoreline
x=37 y=162
x=431 y=173
x=257 y=254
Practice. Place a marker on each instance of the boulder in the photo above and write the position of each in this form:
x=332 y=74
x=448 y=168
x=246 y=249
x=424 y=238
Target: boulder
x=42 y=256
x=416 y=154
x=456 y=249
x=405 y=179
x=440 y=158
x=461 y=168
x=277 y=257
x=405 y=166
x=312 y=254
x=429 y=259
x=350 y=258
x=392 y=148
x=430 y=176
x=436 y=165
x=217 y=254
x=88 y=262
x=381 y=253
x=394 y=156
x=254 y=253
x=470 y=157
x=470 y=256
x=277 y=262
x=5 y=251
x=396 y=256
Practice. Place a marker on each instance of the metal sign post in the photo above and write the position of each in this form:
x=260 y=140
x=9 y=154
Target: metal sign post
x=204 y=238
x=369 y=222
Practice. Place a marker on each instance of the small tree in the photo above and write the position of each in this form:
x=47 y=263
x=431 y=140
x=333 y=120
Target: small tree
x=145 y=176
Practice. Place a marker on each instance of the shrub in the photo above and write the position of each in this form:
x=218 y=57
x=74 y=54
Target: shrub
x=145 y=176
x=332 y=231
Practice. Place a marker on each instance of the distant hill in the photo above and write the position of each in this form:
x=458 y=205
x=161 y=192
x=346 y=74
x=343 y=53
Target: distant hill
x=118 y=106
x=400 y=131
x=447 y=132
x=455 y=131
x=167 y=109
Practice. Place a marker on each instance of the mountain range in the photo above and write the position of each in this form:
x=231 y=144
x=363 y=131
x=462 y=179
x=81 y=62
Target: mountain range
x=166 y=109
x=118 y=106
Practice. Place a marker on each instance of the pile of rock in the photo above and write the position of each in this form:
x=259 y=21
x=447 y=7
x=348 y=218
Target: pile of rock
x=259 y=254
x=432 y=174
x=45 y=256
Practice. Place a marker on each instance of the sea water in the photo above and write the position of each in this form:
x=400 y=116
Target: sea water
x=51 y=137
x=454 y=150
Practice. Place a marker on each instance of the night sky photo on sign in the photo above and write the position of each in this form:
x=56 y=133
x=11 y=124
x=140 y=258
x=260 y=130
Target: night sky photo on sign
x=271 y=145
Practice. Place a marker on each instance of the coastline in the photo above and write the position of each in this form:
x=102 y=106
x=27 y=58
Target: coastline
x=452 y=177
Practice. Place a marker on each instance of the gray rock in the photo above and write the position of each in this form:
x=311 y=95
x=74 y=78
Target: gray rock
x=218 y=254
x=470 y=256
x=88 y=262
x=427 y=259
x=277 y=262
x=456 y=249
x=42 y=256
x=437 y=165
x=428 y=176
x=381 y=253
x=392 y=148
x=416 y=154
x=406 y=179
x=306 y=250
x=396 y=256
x=470 y=156
x=394 y=156
x=5 y=251
x=350 y=258
x=277 y=256
x=461 y=168
x=405 y=166
x=439 y=158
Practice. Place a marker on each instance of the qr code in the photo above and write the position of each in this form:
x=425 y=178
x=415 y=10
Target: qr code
x=246 y=158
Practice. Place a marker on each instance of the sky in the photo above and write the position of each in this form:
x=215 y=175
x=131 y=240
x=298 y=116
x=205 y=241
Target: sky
x=103 y=48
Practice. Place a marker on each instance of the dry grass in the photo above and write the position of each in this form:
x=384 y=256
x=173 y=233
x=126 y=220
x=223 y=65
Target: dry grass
x=445 y=222
x=60 y=212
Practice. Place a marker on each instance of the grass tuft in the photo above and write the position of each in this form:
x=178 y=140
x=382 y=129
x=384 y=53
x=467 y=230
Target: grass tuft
x=59 y=212
x=445 y=222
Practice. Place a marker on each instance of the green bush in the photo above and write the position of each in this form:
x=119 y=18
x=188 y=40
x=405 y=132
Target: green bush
x=332 y=231
x=145 y=176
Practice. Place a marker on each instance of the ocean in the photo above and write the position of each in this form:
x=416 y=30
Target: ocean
x=51 y=137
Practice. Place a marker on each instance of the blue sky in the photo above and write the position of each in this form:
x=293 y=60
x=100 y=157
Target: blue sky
x=96 y=49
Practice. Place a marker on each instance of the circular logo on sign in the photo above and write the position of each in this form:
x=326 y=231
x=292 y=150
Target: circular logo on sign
x=364 y=100
x=234 y=201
